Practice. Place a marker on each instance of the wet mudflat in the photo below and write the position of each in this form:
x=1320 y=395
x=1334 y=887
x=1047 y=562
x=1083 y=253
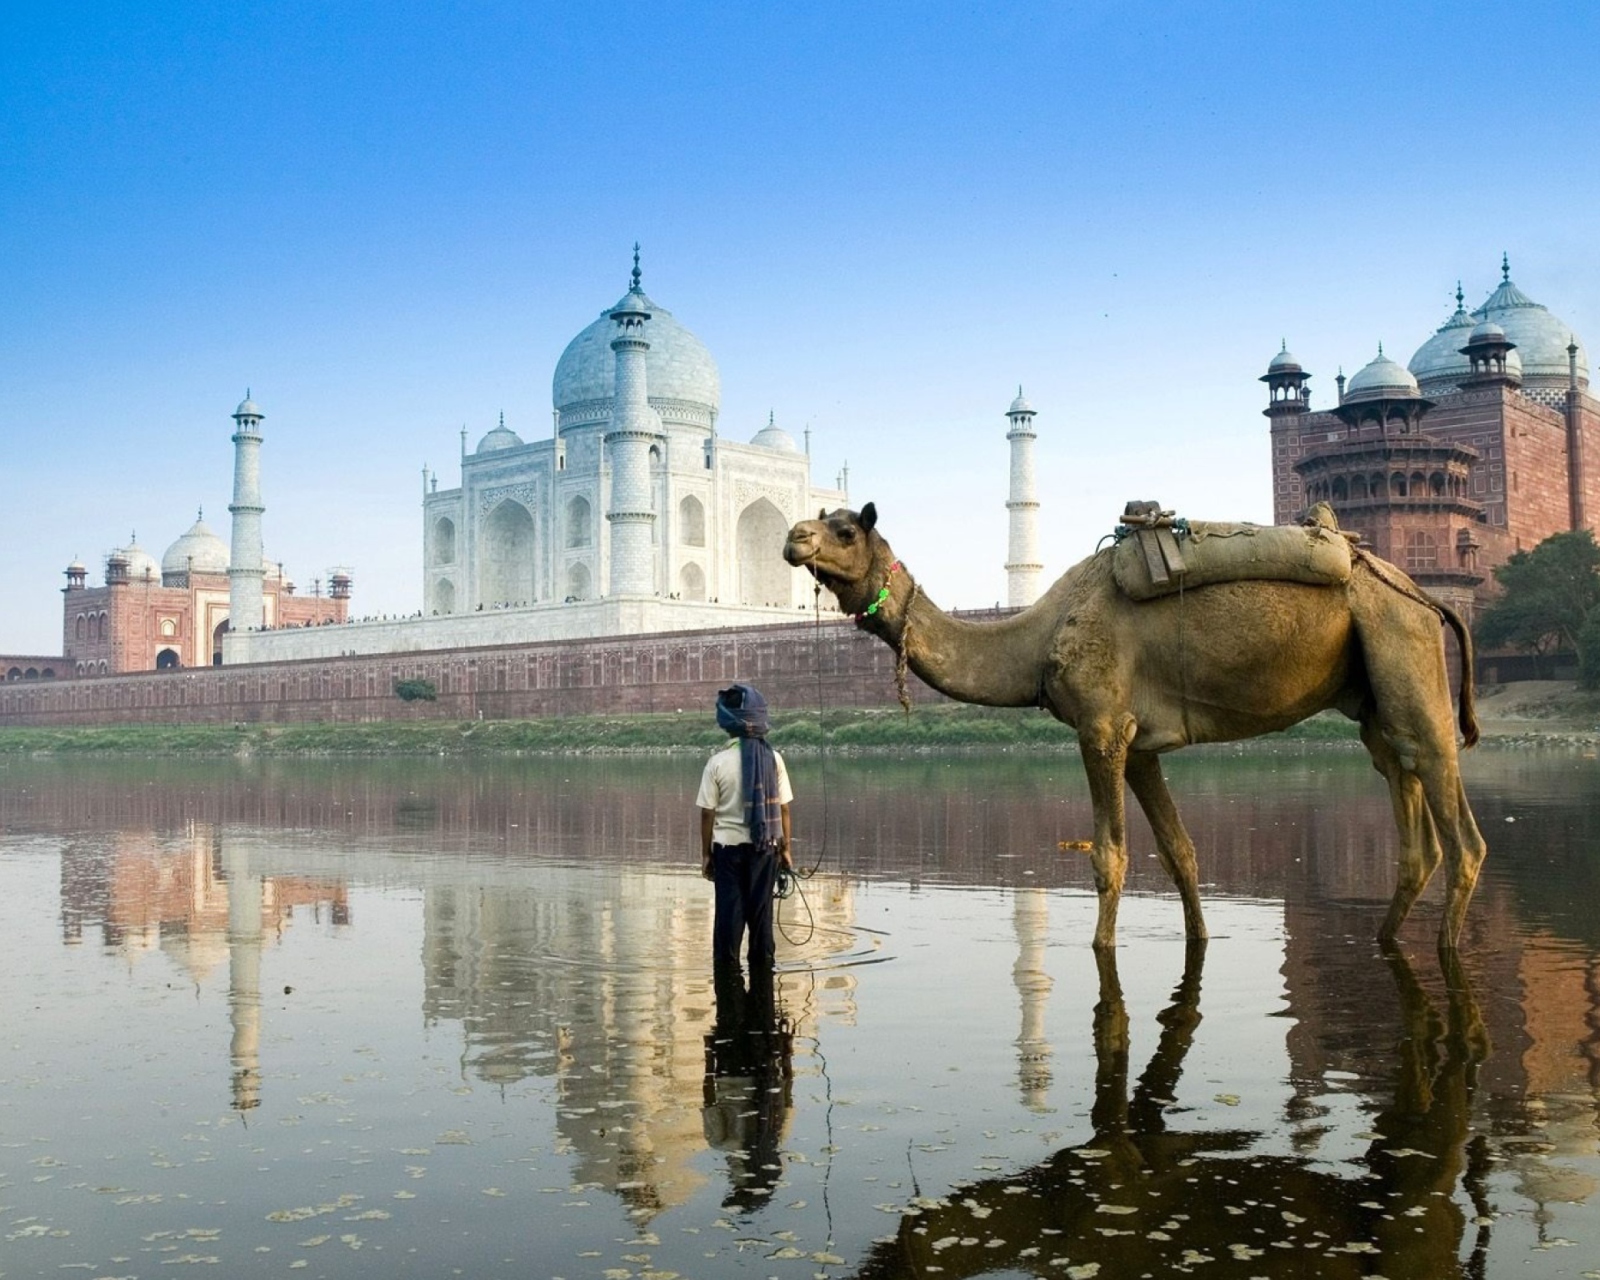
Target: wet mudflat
x=428 y=1018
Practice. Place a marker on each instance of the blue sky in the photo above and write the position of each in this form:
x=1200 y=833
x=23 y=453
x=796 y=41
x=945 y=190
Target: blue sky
x=387 y=220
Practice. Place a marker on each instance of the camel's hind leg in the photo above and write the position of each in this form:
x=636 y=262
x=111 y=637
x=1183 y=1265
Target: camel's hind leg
x=1435 y=821
x=1458 y=831
x=1419 y=846
x=1104 y=748
x=1173 y=844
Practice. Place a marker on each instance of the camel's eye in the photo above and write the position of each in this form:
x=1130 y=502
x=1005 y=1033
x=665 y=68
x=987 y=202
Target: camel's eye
x=847 y=534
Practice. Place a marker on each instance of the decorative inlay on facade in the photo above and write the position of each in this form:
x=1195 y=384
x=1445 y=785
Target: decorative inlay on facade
x=747 y=491
x=525 y=493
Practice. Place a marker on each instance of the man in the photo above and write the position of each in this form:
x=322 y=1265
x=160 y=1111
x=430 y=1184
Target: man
x=744 y=829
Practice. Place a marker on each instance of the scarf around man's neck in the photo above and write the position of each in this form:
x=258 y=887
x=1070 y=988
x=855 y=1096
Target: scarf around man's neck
x=763 y=813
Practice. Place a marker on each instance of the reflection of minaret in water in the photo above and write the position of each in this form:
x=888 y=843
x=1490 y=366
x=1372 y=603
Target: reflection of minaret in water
x=1031 y=917
x=245 y=935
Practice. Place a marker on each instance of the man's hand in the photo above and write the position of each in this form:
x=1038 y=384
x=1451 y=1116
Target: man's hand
x=705 y=866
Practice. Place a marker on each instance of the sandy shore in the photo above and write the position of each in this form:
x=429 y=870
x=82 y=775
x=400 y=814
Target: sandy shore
x=1539 y=711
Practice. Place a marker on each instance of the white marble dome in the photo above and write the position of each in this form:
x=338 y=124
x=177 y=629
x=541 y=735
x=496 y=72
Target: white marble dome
x=199 y=549
x=678 y=366
x=1284 y=360
x=1019 y=405
x=1541 y=338
x=141 y=564
x=1439 y=361
x=772 y=436
x=1382 y=379
x=501 y=437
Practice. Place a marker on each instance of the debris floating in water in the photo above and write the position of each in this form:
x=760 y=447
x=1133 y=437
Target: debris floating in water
x=1075 y=846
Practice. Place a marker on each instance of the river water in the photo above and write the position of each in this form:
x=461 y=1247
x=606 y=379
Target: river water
x=440 y=1018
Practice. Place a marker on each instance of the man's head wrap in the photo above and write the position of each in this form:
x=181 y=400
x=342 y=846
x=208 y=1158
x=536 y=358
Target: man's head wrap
x=742 y=712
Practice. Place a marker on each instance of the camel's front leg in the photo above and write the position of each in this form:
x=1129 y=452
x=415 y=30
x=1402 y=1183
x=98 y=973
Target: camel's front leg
x=1105 y=755
x=1173 y=844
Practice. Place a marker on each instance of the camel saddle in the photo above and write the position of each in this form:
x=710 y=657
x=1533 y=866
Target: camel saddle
x=1160 y=554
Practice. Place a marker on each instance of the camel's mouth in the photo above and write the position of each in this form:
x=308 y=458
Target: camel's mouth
x=800 y=550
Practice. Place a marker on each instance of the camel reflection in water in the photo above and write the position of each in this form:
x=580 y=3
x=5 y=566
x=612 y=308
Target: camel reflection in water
x=1143 y=1198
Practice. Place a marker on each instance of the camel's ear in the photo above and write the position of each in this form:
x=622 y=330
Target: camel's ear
x=822 y=513
x=869 y=517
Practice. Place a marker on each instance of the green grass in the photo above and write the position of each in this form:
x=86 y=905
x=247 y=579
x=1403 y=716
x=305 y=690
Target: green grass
x=855 y=729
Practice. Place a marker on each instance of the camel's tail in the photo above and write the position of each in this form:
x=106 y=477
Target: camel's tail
x=1468 y=717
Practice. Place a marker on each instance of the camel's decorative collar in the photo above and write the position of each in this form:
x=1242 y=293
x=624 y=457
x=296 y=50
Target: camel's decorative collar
x=883 y=595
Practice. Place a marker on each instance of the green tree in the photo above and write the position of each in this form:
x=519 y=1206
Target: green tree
x=416 y=690
x=1589 y=651
x=1549 y=594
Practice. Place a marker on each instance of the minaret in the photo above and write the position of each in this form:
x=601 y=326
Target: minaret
x=627 y=441
x=1031 y=916
x=245 y=938
x=245 y=572
x=1022 y=565
x=1577 y=478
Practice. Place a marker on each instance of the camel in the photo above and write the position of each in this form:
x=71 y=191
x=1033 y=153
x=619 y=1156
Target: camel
x=1218 y=663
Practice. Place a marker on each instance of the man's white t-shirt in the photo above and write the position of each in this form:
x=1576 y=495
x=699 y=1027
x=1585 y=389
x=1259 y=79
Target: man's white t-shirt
x=722 y=790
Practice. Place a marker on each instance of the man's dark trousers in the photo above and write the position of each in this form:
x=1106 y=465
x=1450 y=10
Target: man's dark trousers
x=743 y=876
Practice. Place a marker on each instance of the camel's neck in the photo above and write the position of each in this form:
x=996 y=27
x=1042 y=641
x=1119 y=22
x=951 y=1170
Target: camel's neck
x=997 y=664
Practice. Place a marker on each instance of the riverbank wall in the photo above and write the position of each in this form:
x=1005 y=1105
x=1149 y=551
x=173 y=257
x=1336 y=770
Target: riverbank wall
x=803 y=664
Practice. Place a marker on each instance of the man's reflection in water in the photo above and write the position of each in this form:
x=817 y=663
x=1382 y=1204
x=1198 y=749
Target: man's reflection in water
x=749 y=1084
x=1140 y=1198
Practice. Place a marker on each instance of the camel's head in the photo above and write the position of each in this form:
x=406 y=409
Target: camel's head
x=843 y=552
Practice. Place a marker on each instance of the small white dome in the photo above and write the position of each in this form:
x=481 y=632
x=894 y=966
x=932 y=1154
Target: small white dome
x=502 y=437
x=1382 y=379
x=1019 y=405
x=248 y=408
x=1285 y=359
x=772 y=436
x=199 y=550
x=141 y=564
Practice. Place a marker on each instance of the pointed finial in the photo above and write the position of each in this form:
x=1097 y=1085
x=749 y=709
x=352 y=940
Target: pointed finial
x=1380 y=351
x=1019 y=391
x=772 y=418
x=1461 y=298
x=502 y=419
x=133 y=537
x=635 y=287
x=200 y=513
x=1505 y=268
x=247 y=394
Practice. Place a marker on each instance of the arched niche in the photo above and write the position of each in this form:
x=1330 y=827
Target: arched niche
x=692 y=522
x=580 y=523
x=444 y=596
x=692 y=582
x=764 y=576
x=580 y=586
x=444 y=540
x=505 y=545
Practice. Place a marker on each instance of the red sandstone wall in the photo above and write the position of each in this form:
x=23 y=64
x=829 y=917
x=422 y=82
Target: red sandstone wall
x=795 y=665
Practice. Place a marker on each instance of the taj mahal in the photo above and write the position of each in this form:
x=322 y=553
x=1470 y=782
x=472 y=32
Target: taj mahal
x=635 y=496
x=636 y=515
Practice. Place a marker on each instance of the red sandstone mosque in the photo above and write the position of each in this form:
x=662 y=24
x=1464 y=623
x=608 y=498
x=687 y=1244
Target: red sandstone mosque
x=1485 y=444
x=150 y=616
